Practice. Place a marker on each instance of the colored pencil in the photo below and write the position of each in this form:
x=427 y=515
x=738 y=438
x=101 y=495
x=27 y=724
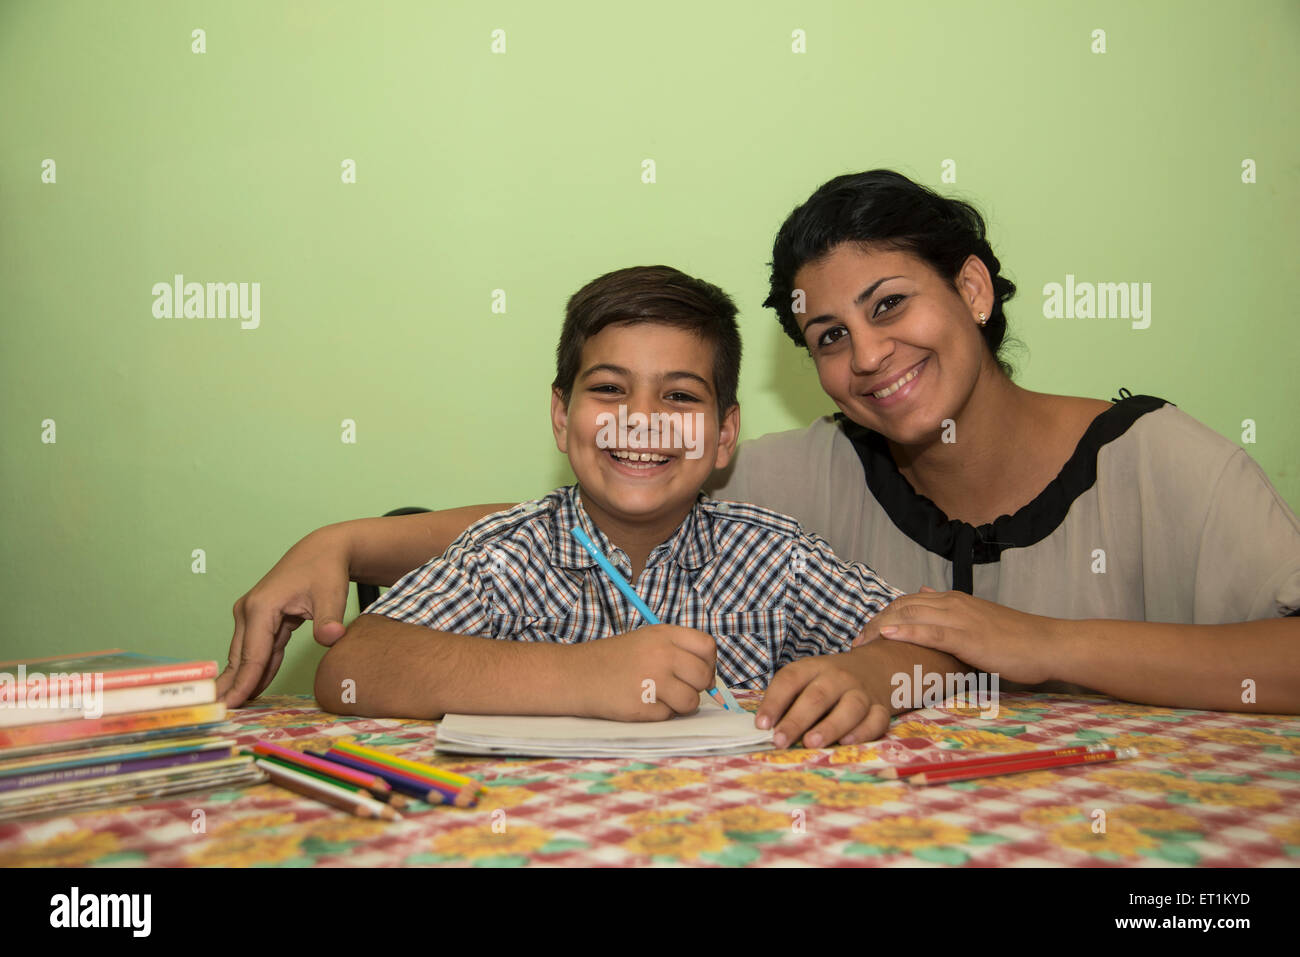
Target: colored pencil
x=907 y=770
x=368 y=781
x=422 y=788
x=416 y=768
x=386 y=796
x=719 y=691
x=349 y=801
x=1016 y=767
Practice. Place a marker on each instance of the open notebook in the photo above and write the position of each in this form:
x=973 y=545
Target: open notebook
x=711 y=730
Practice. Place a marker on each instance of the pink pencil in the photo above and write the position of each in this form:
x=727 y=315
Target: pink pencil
x=369 y=781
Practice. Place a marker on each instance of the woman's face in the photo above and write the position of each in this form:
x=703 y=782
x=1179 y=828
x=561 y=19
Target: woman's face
x=896 y=345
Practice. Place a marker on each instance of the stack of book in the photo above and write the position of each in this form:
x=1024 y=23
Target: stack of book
x=111 y=727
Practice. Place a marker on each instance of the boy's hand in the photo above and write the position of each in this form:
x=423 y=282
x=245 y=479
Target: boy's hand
x=825 y=700
x=649 y=674
x=310 y=581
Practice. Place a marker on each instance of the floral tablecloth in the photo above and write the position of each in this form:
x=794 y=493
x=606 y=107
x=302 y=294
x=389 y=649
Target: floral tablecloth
x=1209 y=789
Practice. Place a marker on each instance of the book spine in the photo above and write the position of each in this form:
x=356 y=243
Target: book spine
x=133 y=677
x=110 y=769
x=122 y=701
x=114 y=724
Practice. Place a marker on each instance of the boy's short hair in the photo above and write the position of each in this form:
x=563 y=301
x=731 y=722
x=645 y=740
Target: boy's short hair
x=652 y=294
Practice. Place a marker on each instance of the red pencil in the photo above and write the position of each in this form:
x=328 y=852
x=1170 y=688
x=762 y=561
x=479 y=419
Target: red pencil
x=907 y=770
x=368 y=781
x=1015 y=767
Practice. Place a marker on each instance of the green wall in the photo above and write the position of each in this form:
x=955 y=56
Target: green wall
x=522 y=171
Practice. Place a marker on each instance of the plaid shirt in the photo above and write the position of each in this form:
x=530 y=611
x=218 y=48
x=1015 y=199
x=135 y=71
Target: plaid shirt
x=767 y=591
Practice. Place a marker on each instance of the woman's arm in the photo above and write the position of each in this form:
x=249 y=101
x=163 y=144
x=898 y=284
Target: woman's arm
x=311 y=581
x=1250 y=666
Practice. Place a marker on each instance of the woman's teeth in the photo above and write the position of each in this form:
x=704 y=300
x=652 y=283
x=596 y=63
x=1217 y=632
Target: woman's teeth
x=885 y=393
x=638 y=460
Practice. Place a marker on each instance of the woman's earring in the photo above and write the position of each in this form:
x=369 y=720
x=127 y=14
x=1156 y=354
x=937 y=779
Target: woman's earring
x=982 y=319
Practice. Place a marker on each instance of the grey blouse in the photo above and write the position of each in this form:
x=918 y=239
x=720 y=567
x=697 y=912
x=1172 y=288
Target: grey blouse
x=1154 y=518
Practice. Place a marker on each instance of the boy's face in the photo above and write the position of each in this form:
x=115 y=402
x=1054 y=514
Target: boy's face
x=658 y=378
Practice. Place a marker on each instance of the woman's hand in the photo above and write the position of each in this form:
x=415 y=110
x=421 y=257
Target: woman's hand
x=988 y=636
x=310 y=581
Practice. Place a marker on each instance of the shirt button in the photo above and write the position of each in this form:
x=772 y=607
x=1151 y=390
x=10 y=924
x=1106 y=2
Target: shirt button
x=723 y=507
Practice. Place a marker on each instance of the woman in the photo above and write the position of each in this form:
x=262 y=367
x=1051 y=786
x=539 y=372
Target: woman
x=1123 y=548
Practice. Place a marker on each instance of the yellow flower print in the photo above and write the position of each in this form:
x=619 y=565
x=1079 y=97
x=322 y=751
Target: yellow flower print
x=1146 y=743
x=1235 y=735
x=855 y=754
x=748 y=819
x=920 y=729
x=790 y=756
x=987 y=741
x=291 y=721
x=503 y=796
x=783 y=782
x=1191 y=757
x=343 y=828
x=1020 y=781
x=656 y=779
x=482 y=841
x=1050 y=814
x=909 y=833
x=1139 y=780
x=243 y=850
x=68 y=849
x=683 y=841
x=1118 y=838
x=858 y=795
x=254 y=822
x=1236 y=795
x=1288 y=833
x=657 y=816
x=1154 y=818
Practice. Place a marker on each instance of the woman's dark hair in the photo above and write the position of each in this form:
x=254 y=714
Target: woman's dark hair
x=652 y=294
x=882 y=208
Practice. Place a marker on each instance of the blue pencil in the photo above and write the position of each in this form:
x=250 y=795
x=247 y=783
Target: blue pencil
x=720 y=693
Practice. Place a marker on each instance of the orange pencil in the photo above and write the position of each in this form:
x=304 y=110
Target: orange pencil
x=351 y=801
x=1015 y=767
x=370 y=782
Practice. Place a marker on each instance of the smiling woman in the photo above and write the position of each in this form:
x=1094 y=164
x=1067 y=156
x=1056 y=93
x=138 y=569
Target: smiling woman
x=1036 y=510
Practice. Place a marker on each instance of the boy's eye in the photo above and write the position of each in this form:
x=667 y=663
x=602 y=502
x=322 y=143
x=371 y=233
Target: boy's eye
x=682 y=397
x=606 y=387
x=891 y=300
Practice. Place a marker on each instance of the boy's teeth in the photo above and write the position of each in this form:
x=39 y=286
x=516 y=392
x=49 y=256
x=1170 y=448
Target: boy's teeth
x=883 y=393
x=638 y=457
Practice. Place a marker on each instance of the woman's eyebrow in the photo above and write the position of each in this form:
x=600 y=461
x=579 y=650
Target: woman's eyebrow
x=861 y=298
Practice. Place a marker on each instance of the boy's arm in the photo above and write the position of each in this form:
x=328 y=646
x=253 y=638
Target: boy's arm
x=390 y=668
x=311 y=582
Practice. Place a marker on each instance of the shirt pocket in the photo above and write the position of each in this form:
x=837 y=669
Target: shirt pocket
x=557 y=629
x=747 y=643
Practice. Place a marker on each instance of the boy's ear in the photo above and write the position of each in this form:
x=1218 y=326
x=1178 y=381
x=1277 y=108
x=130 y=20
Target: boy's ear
x=560 y=421
x=728 y=434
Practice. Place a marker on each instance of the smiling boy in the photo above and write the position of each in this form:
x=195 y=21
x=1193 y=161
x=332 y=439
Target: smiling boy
x=741 y=589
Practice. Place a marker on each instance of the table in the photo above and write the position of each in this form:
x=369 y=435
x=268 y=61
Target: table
x=1210 y=789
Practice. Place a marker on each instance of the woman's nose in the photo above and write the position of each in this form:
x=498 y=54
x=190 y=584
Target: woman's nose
x=869 y=352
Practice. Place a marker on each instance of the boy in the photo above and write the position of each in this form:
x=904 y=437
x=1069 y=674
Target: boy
x=644 y=406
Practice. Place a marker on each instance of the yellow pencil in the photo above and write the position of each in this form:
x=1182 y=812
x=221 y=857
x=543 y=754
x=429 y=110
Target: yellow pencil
x=428 y=770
